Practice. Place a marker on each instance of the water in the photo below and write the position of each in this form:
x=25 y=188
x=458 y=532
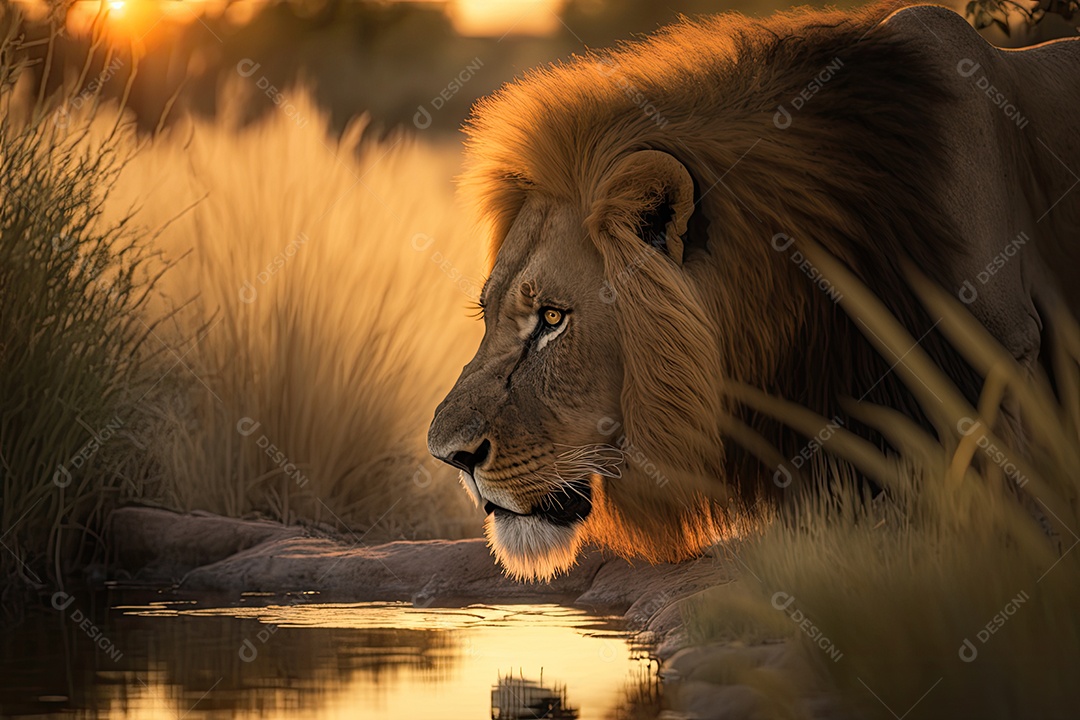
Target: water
x=295 y=657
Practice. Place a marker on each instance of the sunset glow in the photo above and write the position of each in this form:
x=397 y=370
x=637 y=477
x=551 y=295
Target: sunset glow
x=503 y=17
x=522 y=359
x=473 y=18
x=133 y=20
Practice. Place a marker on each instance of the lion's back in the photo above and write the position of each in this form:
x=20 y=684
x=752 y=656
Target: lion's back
x=1011 y=169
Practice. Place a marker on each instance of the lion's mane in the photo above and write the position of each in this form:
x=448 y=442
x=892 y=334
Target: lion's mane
x=853 y=173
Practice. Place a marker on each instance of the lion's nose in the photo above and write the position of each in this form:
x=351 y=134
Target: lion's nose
x=467 y=460
x=459 y=435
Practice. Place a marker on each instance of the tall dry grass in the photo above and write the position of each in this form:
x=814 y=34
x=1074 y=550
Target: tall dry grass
x=75 y=317
x=239 y=318
x=954 y=594
x=319 y=291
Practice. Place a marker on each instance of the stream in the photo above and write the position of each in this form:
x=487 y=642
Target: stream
x=149 y=655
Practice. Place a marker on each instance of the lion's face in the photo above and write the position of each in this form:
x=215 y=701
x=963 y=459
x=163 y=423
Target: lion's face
x=591 y=404
x=526 y=420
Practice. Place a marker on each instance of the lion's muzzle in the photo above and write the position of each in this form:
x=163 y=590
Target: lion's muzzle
x=564 y=508
x=461 y=437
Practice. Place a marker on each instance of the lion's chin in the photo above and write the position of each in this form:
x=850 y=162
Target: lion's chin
x=530 y=548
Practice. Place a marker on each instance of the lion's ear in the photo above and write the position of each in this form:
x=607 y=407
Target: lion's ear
x=662 y=193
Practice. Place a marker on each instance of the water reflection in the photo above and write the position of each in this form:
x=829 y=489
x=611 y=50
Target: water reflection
x=516 y=698
x=308 y=660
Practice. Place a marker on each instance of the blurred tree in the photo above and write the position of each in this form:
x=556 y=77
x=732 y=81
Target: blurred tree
x=997 y=13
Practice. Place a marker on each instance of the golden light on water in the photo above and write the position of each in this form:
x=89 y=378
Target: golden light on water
x=480 y=644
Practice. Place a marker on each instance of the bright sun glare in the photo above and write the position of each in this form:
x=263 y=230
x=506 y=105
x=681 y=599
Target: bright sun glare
x=499 y=17
x=128 y=19
x=135 y=18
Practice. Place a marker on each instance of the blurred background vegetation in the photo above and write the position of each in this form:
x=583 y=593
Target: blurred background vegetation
x=381 y=58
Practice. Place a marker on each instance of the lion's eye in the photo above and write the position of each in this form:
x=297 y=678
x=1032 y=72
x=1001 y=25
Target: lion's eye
x=552 y=317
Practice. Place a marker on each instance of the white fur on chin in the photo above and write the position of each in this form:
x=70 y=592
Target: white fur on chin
x=529 y=548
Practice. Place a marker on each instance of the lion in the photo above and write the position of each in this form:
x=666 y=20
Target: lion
x=647 y=210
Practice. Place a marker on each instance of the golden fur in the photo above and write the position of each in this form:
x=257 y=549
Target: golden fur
x=854 y=172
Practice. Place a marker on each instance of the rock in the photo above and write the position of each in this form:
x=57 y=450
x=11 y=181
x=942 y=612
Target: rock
x=205 y=552
x=735 y=681
x=431 y=572
x=160 y=545
x=653 y=594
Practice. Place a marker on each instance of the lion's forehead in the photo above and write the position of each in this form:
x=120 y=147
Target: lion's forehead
x=542 y=257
